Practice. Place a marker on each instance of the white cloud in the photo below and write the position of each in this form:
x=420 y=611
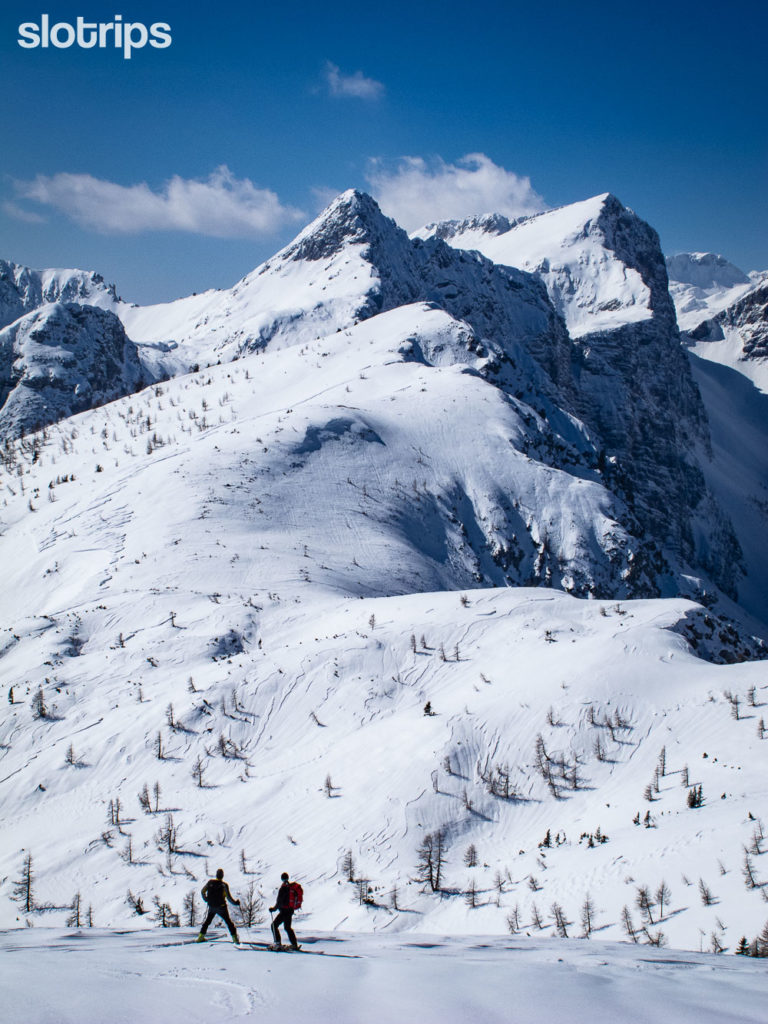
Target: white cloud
x=221 y=206
x=18 y=213
x=351 y=85
x=416 y=193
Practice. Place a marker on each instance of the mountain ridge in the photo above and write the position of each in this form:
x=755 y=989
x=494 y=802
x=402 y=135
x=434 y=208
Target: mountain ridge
x=618 y=391
x=380 y=585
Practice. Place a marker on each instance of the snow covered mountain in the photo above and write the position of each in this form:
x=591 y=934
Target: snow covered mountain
x=723 y=312
x=397 y=477
x=605 y=272
x=60 y=359
x=23 y=290
x=602 y=265
x=737 y=336
x=702 y=284
x=602 y=392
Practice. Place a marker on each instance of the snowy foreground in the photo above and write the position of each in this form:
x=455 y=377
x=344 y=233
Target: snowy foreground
x=102 y=977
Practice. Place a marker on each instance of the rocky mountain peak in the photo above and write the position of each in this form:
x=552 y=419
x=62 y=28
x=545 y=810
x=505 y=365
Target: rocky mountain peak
x=353 y=218
x=23 y=289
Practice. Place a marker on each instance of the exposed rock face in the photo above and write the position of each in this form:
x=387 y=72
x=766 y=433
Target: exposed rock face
x=747 y=318
x=61 y=359
x=604 y=269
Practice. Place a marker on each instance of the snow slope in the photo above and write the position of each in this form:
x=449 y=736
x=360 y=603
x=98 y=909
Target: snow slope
x=234 y=544
x=378 y=979
x=738 y=337
x=314 y=744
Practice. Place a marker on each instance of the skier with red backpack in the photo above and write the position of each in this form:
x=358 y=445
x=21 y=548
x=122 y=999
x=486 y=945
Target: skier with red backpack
x=289 y=898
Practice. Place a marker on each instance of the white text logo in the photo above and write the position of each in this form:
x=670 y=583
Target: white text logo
x=122 y=35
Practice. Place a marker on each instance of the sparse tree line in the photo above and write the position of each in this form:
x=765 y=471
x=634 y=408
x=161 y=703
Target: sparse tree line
x=561 y=773
x=45 y=443
x=652 y=905
x=757 y=947
x=750 y=700
x=25 y=895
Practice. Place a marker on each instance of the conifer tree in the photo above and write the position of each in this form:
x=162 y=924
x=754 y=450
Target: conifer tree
x=348 y=866
x=663 y=895
x=626 y=920
x=587 y=915
x=73 y=921
x=645 y=902
x=22 y=887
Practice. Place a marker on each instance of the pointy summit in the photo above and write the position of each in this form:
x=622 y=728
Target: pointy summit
x=602 y=265
x=605 y=273
x=353 y=218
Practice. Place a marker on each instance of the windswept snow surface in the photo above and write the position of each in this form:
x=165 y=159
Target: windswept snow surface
x=95 y=977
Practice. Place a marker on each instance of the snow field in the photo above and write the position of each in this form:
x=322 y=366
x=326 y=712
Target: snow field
x=383 y=979
x=330 y=696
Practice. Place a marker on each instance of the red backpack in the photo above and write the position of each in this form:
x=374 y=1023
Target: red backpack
x=295 y=895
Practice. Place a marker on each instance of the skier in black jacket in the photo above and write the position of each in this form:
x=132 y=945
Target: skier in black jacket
x=216 y=892
x=285 y=916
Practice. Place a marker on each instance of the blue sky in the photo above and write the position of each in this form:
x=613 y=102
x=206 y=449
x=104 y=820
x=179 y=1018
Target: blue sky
x=182 y=168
